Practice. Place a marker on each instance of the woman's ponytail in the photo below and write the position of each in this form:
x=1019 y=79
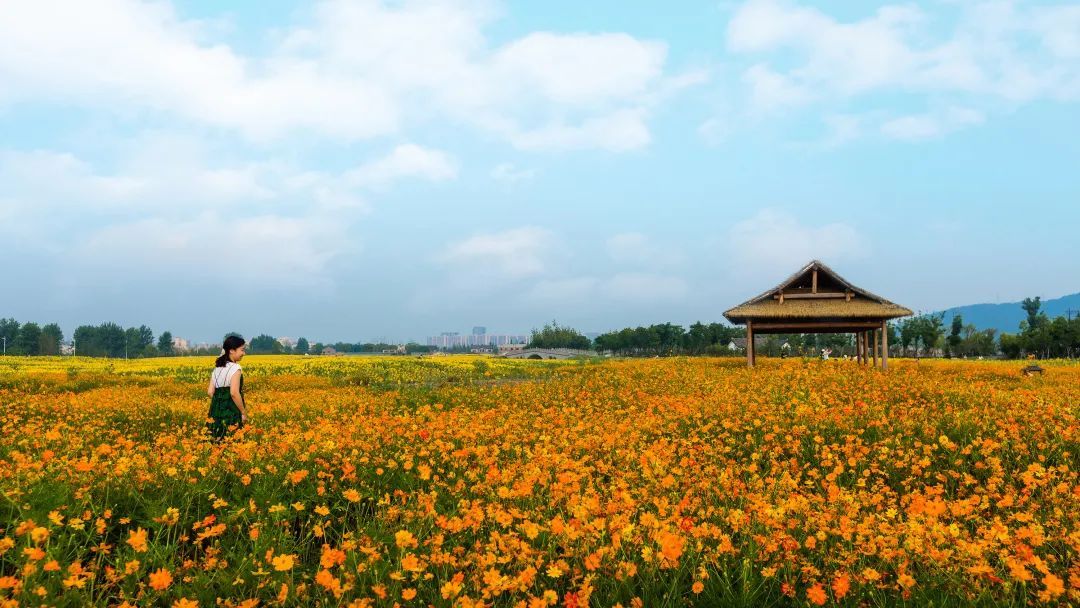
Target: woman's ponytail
x=232 y=342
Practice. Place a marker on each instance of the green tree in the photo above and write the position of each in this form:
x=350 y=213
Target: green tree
x=933 y=329
x=51 y=338
x=28 y=342
x=955 y=339
x=265 y=344
x=9 y=330
x=164 y=344
x=113 y=339
x=85 y=340
x=1011 y=345
x=302 y=346
x=137 y=340
x=554 y=336
x=1031 y=307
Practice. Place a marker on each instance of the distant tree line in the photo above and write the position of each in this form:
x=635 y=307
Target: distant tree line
x=111 y=340
x=1042 y=337
x=670 y=339
x=30 y=338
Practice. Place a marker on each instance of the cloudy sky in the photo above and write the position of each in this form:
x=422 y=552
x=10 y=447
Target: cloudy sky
x=390 y=169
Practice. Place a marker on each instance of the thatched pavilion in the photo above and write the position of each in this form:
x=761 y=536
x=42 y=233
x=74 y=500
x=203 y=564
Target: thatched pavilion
x=817 y=300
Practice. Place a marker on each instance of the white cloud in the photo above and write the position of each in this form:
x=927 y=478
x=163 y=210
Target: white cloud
x=172 y=216
x=562 y=291
x=618 y=132
x=167 y=175
x=509 y=173
x=636 y=249
x=931 y=125
x=773 y=242
x=644 y=288
x=770 y=90
x=715 y=130
x=355 y=70
x=217 y=248
x=580 y=68
x=995 y=51
x=512 y=254
x=619 y=290
x=407 y=160
x=125 y=54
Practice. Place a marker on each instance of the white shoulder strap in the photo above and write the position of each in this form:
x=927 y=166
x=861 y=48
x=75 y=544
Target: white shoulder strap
x=223 y=375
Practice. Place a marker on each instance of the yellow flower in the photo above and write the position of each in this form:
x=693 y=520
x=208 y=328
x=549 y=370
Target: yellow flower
x=282 y=563
x=404 y=538
x=39 y=534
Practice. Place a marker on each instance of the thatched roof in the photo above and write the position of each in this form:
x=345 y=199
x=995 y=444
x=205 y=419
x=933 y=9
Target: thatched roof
x=857 y=303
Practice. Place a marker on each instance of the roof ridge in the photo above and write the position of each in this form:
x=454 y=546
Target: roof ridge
x=821 y=266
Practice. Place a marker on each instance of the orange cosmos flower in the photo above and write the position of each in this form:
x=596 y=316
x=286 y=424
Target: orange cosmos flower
x=283 y=563
x=841 y=585
x=160 y=579
x=137 y=540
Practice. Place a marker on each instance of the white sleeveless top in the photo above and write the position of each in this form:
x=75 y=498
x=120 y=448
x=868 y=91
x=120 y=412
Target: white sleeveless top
x=222 y=376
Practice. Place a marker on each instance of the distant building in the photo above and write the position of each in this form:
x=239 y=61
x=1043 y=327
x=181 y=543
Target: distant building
x=740 y=343
x=479 y=330
x=511 y=348
x=396 y=350
x=329 y=350
x=453 y=340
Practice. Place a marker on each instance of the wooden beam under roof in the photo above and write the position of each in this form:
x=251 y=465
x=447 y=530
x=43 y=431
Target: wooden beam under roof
x=811 y=296
x=840 y=326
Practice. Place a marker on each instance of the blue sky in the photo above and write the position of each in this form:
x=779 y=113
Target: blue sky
x=389 y=170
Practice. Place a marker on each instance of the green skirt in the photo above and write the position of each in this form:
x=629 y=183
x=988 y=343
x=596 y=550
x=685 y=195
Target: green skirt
x=224 y=415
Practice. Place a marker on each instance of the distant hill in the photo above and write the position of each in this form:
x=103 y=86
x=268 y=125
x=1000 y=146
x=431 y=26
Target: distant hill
x=1006 y=317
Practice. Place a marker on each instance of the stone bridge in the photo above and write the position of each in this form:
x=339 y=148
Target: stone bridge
x=549 y=353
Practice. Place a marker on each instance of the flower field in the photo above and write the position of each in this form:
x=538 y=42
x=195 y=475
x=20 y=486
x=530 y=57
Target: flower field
x=466 y=481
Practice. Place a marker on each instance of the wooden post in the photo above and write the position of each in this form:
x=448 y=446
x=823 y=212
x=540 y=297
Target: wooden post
x=749 y=343
x=884 y=345
x=813 y=283
x=858 y=347
x=874 y=340
x=862 y=344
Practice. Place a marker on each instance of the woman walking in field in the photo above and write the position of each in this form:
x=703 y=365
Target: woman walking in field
x=226 y=390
